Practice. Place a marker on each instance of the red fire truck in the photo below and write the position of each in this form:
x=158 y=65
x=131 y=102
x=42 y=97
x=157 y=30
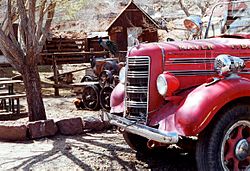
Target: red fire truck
x=197 y=90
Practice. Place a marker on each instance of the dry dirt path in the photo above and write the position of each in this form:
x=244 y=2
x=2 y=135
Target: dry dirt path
x=90 y=151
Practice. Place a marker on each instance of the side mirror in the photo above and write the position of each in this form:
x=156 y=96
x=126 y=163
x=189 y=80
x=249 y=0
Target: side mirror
x=194 y=25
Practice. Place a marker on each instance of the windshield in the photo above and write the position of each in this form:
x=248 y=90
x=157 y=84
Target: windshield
x=230 y=19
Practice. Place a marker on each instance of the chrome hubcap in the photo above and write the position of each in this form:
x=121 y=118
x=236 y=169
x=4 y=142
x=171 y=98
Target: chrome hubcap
x=241 y=150
x=235 y=147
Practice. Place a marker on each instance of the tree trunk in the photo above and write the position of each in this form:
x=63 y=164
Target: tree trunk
x=32 y=84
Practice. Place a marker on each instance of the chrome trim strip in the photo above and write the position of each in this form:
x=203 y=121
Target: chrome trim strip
x=137 y=105
x=142 y=130
x=133 y=89
x=192 y=73
x=162 y=54
x=197 y=60
x=190 y=60
x=244 y=72
x=137 y=74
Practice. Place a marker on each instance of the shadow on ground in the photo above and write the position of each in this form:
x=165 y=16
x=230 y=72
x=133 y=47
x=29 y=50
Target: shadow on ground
x=169 y=160
x=92 y=151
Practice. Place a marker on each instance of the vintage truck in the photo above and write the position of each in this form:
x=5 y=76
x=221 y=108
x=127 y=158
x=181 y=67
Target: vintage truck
x=197 y=90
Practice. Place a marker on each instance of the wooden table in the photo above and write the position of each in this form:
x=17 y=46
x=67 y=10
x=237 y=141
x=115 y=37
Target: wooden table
x=7 y=93
x=10 y=84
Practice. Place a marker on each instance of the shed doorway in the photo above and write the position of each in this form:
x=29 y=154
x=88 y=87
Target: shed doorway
x=133 y=35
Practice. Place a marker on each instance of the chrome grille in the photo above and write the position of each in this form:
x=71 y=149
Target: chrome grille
x=137 y=83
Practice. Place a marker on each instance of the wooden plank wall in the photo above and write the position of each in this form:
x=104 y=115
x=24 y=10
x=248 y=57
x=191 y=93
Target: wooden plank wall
x=69 y=51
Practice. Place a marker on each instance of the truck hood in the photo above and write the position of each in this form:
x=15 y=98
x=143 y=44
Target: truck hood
x=217 y=44
x=207 y=44
x=193 y=61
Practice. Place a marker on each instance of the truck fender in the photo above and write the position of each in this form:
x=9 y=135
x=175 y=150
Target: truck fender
x=117 y=99
x=201 y=105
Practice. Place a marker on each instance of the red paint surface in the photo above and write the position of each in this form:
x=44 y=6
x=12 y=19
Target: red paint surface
x=199 y=104
x=117 y=98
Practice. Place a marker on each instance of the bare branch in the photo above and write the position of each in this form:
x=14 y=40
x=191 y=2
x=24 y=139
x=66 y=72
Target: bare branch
x=32 y=18
x=40 y=20
x=184 y=8
x=203 y=8
x=16 y=64
x=30 y=37
x=50 y=15
x=23 y=20
x=10 y=30
x=8 y=46
x=11 y=15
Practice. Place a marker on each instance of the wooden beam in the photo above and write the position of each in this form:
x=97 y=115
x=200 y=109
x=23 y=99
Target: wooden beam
x=55 y=75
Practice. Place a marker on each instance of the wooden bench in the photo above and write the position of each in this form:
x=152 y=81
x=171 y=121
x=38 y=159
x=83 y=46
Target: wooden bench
x=12 y=96
x=11 y=102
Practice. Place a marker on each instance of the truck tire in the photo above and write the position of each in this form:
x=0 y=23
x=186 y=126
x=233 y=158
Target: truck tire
x=136 y=142
x=225 y=144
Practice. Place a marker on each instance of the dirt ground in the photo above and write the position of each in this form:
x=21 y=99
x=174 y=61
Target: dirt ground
x=104 y=150
x=90 y=151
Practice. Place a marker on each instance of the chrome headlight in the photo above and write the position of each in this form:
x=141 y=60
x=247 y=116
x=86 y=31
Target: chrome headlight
x=225 y=65
x=167 y=84
x=122 y=75
x=162 y=85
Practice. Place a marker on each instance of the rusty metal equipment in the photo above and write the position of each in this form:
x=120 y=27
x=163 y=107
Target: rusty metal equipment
x=96 y=90
x=90 y=97
x=105 y=97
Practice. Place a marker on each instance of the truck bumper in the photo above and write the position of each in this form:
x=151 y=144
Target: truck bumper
x=142 y=130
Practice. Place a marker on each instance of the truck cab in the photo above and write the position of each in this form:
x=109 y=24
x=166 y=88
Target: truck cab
x=195 y=89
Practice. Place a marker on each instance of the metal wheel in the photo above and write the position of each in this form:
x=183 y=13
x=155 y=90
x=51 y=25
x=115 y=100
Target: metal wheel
x=105 y=78
x=90 y=97
x=87 y=78
x=236 y=147
x=105 y=97
x=225 y=144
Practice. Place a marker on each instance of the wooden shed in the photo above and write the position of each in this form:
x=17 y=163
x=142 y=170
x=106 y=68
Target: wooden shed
x=132 y=21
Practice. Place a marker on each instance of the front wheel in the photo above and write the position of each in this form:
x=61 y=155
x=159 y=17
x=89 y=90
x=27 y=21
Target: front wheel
x=225 y=145
x=136 y=142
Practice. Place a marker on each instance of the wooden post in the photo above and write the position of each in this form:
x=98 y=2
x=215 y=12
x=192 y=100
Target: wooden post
x=55 y=70
x=18 y=106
